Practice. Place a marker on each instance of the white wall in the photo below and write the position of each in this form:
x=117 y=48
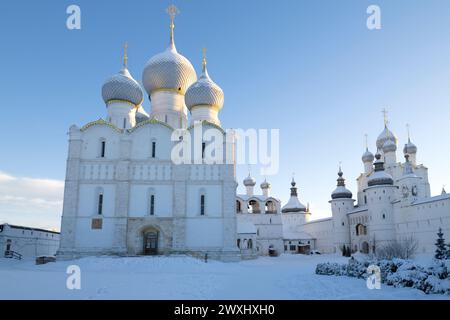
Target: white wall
x=203 y=232
x=213 y=200
x=29 y=243
x=140 y=200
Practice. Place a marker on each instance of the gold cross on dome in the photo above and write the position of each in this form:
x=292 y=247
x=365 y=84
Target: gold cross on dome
x=125 y=56
x=204 y=58
x=367 y=141
x=172 y=11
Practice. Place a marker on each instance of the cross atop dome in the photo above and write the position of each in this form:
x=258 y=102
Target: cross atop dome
x=125 y=56
x=204 y=59
x=385 y=117
x=172 y=11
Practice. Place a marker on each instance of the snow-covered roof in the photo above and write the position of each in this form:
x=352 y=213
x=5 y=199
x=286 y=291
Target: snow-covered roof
x=319 y=220
x=444 y=196
x=293 y=205
x=245 y=197
x=293 y=235
x=356 y=210
x=245 y=227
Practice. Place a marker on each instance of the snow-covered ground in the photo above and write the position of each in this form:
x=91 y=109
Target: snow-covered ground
x=180 y=277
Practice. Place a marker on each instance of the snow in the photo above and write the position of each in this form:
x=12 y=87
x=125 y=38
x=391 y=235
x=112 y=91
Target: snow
x=181 y=277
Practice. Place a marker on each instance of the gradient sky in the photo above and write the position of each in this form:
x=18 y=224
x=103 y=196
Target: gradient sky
x=310 y=68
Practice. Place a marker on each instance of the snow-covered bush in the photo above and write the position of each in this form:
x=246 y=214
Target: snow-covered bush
x=408 y=274
x=439 y=269
x=330 y=269
x=396 y=272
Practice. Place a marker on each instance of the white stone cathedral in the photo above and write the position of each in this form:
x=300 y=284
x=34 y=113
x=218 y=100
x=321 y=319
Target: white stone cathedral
x=125 y=196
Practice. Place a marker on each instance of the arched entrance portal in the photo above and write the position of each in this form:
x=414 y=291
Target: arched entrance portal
x=365 y=247
x=150 y=242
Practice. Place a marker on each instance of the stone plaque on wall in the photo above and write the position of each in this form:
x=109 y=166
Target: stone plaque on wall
x=97 y=224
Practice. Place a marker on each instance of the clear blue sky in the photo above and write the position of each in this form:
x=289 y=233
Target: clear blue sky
x=310 y=68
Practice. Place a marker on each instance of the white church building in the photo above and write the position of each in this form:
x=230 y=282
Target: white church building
x=124 y=195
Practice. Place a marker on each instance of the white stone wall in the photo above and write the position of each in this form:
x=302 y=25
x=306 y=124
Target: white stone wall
x=323 y=233
x=30 y=243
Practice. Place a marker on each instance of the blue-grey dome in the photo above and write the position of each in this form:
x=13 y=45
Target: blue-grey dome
x=265 y=185
x=367 y=156
x=249 y=181
x=410 y=148
x=122 y=86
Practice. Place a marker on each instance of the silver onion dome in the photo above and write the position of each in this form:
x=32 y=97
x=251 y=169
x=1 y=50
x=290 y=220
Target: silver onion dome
x=265 y=185
x=367 y=156
x=410 y=148
x=389 y=146
x=168 y=70
x=122 y=86
x=384 y=136
x=249 y=181
x=204 y=92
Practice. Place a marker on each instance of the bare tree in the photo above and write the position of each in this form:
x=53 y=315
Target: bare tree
x=403 y=249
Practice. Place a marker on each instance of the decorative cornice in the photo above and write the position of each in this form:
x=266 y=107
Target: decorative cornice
x=150 y=121
x=101 y=122
x=211 y=106
x=122 y=101
x=210 y=123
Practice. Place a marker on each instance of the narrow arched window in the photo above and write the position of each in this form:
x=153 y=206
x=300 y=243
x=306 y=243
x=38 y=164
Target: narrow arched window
x=238 y=206
x=124 y=123
x=102 y=148
x=202 y=205
x=100 y=203
x=203 y=150
x=153 y=149
x=152 y=205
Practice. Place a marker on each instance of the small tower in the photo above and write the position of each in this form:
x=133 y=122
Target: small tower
x=387 y=143
x=367 y=158
x=294 y=212
x=249 y=184
x=409 y=183
x=381 y=193
x=341 y=203
x=123 y=96
x=265 y=187
x=410 y=149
